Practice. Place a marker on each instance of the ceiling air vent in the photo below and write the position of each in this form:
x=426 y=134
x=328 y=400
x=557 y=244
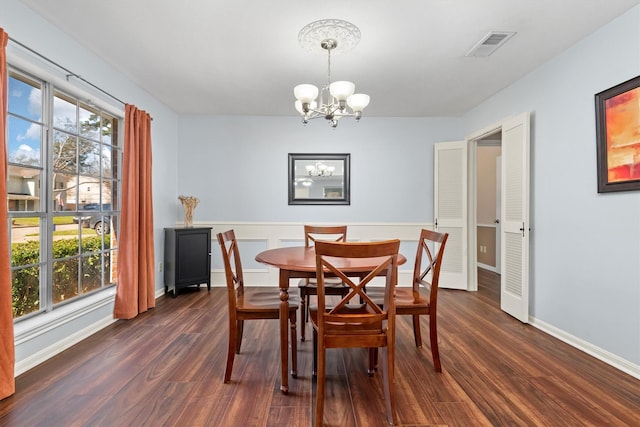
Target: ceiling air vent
x=489 y=43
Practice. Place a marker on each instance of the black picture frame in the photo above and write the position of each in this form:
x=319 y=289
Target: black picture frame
x=319 y=179
x=617 y=120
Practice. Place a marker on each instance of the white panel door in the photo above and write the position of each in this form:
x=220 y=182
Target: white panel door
x=514 y=239
x=450 y=210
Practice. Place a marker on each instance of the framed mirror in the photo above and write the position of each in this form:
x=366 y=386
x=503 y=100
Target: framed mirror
x=319 y=179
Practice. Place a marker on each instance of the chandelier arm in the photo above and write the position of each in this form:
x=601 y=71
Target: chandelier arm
x=336 y=108
x=314 y=114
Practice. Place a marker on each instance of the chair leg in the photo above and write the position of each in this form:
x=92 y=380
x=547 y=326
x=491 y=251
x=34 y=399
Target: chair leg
x=314 y=371
x=387 y=381
x=373 y=361
x=294 y=345
x=239 y=331
x=416 y=330
x=231 y=351
x=433 y=335
x=320 y=385
x=303 y=312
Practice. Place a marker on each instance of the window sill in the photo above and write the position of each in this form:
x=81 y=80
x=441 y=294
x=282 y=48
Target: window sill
x=41 y=324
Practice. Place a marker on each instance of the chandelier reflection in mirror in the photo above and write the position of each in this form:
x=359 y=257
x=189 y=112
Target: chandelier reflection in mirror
x=319 y=169
x=337 y=99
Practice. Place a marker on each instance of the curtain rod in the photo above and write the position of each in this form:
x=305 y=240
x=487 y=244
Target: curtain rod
x=69 y=72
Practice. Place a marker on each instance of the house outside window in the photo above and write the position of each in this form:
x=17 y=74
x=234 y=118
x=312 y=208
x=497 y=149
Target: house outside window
x=63 y=185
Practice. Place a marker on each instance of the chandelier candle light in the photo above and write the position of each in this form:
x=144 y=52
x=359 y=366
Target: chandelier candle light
x=320 y=169
x=337 y=36
x=189 y=204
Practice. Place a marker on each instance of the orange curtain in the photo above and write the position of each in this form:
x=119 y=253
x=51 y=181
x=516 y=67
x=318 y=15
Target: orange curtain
x=7 y=348
x=135 y=290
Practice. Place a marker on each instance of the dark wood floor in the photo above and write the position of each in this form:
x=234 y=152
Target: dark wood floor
x=166 y=367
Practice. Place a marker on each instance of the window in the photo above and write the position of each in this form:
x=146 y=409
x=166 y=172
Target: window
x=63 y=185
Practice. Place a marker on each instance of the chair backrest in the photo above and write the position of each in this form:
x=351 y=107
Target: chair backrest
x=339 y=258
x=426 y=271
x=312 y=233
x=232 y=266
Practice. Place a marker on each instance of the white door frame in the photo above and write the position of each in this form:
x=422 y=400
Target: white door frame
x=498 y=209
x=472 y=259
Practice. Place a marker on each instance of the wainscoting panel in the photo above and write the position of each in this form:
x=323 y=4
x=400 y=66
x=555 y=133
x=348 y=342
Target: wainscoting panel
x=256 y=237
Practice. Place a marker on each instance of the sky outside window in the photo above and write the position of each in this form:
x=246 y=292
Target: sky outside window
x=24 y=135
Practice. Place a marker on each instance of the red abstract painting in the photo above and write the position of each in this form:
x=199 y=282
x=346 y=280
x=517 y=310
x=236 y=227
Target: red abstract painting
x=618 y=137
x=623 y=136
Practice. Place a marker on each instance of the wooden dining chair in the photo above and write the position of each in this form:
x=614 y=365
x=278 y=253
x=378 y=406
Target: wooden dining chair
x=249 y=303
x=333 y=285
x=410 y=301
x=350 y=322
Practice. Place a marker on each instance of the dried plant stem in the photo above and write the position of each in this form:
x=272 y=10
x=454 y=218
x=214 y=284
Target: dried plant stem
x=189 y=204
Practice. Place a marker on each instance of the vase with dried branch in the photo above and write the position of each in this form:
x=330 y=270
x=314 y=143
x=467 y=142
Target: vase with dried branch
x=189 y=204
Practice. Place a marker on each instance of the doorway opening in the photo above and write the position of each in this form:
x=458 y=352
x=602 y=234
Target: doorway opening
x=489 y=202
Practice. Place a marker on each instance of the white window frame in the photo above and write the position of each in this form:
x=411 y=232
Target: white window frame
x=49 y=318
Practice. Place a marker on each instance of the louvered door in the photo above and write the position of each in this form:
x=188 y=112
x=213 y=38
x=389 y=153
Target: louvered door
x=450 y=210
x=514 y=295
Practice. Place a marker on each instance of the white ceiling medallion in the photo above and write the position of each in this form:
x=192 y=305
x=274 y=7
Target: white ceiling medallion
x=312 y=35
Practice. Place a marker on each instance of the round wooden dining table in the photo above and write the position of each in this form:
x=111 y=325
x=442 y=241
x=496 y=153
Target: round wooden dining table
x=300 y=262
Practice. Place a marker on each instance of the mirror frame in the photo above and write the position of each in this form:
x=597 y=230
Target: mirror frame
x=346 y=185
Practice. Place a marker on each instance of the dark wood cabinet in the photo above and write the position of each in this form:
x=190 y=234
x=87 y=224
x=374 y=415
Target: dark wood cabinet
x=187 y=258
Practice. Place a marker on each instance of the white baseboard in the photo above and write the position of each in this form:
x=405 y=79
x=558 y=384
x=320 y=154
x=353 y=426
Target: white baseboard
x=487 y=267
x=266 y=236
x=43 y=355
x=31 y=361
x=600 y=354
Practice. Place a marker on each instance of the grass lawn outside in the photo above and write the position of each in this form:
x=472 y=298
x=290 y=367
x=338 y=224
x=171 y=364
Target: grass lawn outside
x=85 y=232
x=35 y=221
x=58 y=220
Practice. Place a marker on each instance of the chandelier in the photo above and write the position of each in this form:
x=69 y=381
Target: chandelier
x=320 y=169
x=337 y=99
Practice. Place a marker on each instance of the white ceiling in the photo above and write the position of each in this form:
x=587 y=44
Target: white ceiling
x=243 y=57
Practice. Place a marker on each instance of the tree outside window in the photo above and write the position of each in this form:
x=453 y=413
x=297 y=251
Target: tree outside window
x=63 y=188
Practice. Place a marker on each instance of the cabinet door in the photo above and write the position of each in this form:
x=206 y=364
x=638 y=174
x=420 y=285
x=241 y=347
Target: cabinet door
x=193 y=260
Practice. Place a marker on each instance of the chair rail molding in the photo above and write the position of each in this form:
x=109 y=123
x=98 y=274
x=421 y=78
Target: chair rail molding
x=255 y=237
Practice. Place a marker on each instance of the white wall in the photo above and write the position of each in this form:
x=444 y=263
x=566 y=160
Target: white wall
x=585 y=274
x=585 y=267
x=585 y=258
x=40 y=338
x=237 y=166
